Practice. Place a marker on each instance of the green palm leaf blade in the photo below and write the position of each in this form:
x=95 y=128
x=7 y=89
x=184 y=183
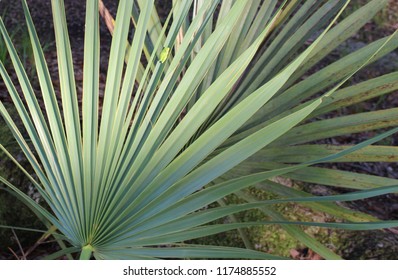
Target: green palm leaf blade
x=203 y=198
x=199 y=112
x=302 y=153
x=214 y=229
x=197 y=201
x=233 y=156
x=205 y=173
x=336 y=36
x=341 y=32
x=50 y=101
x=90 y=100
x=351 y=95
x=146 y=115
x=213 y=110
x=204 y=216
x=134 y=118
x=230 y=122
x=31 y=203
x=340 y=126
x=154 y=27
x=36 y=125
x=324 y=78
x=187 y=251
x=70 y=109
x=288 y=41
x=293 y=230
x=326 y=207
x=183 y=92
x=341 y=178
x=121 y=109
x=128 y=150
x=48 y=194
x=360 y=92
x=61 y=253
x=112 y=89
x=348 y=96
x=44 y=142
x=289 y=70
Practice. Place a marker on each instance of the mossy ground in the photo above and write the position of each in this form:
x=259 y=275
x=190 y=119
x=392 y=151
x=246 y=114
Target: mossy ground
x=275 y=240
x=272 y=238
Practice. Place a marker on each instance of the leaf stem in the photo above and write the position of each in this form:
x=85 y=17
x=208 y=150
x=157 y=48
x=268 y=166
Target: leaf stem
x=86 y=252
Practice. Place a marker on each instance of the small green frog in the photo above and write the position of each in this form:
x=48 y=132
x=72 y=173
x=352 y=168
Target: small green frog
x=164 y=54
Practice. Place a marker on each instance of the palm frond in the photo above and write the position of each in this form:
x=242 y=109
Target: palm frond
x=222 y=108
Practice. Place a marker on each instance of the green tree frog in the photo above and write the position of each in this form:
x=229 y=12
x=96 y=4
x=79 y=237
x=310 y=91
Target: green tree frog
x=164 y=54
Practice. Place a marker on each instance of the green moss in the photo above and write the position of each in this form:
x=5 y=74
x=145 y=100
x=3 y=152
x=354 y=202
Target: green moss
x=272 y=238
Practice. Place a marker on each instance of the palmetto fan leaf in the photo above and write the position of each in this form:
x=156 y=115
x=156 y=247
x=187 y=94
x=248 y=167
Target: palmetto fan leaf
x=216 y=107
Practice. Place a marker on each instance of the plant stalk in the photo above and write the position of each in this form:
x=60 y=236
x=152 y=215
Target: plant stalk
x=86 y=252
